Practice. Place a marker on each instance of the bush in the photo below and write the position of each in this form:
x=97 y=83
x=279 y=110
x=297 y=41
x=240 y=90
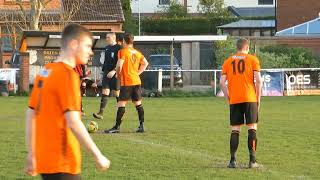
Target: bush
x=188 y=25
x=224 y=49
x=270 y=60
x=276 y=56
x=281 y=56
x=174 y=10
x=180 y=93
x=184 y=26
x=23 y=93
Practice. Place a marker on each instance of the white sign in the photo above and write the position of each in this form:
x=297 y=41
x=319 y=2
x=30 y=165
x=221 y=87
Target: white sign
x=9 y=74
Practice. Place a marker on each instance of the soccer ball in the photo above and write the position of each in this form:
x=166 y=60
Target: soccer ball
x=92 y=127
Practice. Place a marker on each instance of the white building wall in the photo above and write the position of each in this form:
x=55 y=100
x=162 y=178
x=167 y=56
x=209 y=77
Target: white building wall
x=245 y=3
x=152 y=6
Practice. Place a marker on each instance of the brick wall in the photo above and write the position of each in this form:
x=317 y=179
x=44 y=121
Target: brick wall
x=54 y=4
x=23 y=82
x=115 y=27
x=294 y=12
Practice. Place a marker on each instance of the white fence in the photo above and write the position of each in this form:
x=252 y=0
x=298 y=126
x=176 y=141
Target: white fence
x=276 y=82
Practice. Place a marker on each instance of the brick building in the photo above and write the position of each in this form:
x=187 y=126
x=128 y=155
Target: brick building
x=293 y=12
x=96 y=15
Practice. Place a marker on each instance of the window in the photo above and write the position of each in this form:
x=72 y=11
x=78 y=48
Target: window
x=314 y=27
x=6 y=40
x=266 y=32
x=164 y=2
x=244 y=32
x=162 y=60
x=265 y=2
x=235 y=32
x=226 y=32
x=256 y=32
x=302 y=29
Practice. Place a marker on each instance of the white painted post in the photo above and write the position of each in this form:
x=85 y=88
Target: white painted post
x=160 y=80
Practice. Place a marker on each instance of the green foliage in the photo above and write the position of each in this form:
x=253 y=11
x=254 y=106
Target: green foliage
x=281 y=56
x=159 y=51
x=272 y=60
x=174 y=10
x=224 y=49
x=276 y=56
x=183 y=94
x=130 y=25
x=213 y=8
x=188 y=25
x=184 y=26
x=23 y=93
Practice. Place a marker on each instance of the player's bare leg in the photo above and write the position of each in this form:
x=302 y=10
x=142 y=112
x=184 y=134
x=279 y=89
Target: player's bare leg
x=83 y=88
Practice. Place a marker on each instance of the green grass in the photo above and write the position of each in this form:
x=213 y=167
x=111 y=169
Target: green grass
x=186 y=138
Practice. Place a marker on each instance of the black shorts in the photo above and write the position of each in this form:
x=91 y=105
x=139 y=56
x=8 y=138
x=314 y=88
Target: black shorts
x=243 y=113
x=130 y=92
x=110 y=83
x=60 y=176
x=88 y=82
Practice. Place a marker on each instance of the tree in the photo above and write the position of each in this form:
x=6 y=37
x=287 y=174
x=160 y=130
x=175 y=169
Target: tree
x=174 y=10
x=35 y=12
x=31 y=17
x=213 y=8
x=32 y=13
x=129 y=24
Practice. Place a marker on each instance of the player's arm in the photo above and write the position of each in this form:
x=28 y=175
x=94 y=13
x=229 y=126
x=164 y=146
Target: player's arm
x=224 y=87
x=111 y=73
x=119 y=66
x=258 y=84
x=30 y=166
x=143 y=65
x=30 y=142
x=79 y=130
x=30 y=126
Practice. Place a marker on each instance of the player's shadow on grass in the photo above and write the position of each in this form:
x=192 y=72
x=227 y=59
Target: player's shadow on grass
x=126 y=132
x=223 y=165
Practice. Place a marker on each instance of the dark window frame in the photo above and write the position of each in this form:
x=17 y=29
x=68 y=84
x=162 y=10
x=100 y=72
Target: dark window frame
x=265 y=2
x=164 y=2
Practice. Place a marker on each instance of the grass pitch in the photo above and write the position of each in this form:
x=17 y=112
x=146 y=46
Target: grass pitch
x=186 y=138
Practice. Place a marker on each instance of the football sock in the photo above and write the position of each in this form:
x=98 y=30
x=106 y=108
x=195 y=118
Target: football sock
x=120 y=113
x=252 y=144
x=234 y=142
x=103 y=103
x=140 y=111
